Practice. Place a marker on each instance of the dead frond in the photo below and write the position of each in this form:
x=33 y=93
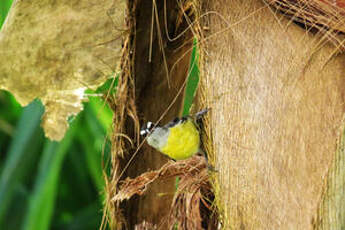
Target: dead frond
x=145 y=226
x=192 y=206
x=186 y=168
x=324 y=16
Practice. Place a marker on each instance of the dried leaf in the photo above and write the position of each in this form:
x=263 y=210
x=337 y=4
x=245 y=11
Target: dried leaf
x=145 y=226
x=138 y=185
x=55 y=50
x=325 y=16
x=192 y=206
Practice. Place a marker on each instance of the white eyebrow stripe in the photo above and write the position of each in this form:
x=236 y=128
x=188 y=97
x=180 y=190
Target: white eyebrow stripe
x=142 y=132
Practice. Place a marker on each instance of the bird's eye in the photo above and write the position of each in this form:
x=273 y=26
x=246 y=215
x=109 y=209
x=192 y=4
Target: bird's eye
x=176 y=120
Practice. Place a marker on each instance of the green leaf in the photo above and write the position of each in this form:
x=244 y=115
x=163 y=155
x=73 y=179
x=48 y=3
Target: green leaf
x=42 y=200
x=193 y=80
x=21 y=154
x=10 y=109
x=101 y=111
x=109 y=87
x=95 y=131
x=4 y=8
x=17 y=209
x=87 y=218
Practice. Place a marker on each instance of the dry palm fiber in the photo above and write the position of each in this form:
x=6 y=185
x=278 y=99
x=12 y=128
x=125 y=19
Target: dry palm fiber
x=145 y=226
x=192 y=204
x=325 y=16
x=154 y=72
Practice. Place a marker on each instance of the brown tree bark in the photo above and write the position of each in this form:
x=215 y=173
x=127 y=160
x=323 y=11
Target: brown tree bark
x=276 y=93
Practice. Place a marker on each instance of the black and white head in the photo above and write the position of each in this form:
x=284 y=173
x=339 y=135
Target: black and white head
x=147 y=129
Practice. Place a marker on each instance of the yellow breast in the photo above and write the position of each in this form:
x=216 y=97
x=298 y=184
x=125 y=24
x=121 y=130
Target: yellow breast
x=183 y=141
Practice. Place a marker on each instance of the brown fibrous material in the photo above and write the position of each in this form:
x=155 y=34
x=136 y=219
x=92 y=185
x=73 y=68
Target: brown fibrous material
x=192 y=206
x=325 y=16
x=145 y=226
x=269 y=83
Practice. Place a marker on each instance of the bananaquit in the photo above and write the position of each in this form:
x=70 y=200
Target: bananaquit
x=179 y=139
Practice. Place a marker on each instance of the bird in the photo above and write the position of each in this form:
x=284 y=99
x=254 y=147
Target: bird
x=179 y=139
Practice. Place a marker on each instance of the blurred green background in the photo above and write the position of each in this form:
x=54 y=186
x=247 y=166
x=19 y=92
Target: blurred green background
x=56 y=185
x=46 y=184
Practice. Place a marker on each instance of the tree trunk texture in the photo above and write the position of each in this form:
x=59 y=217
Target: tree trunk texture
x=277 y=99
x=157 y=82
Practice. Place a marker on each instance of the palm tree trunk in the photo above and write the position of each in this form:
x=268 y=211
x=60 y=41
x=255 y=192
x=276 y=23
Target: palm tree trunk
x=276 y=93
